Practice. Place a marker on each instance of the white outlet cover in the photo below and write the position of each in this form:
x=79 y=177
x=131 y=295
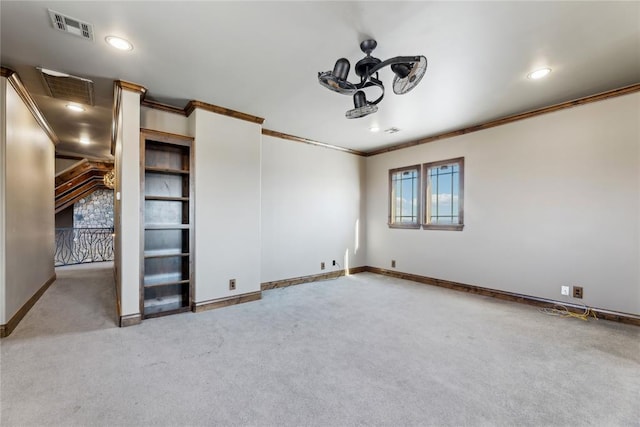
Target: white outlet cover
x=564 y=290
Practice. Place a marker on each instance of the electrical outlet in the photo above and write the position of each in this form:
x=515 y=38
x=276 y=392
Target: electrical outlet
x=322 y=266
x=577 y=292
x=232 y=284
x=334 y=262
x=393 y=263
x=564 y=290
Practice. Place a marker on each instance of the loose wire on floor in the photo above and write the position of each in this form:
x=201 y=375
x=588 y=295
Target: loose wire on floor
x=562 y=311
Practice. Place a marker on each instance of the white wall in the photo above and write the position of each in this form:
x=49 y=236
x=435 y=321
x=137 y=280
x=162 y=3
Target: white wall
x=227 y=205
x=28 y=168
x=164 y=121
x=549 y=201
x=312 y=203
x=127 y=209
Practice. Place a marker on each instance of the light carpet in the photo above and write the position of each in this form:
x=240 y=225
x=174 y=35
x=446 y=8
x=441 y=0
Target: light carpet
x=359 y=350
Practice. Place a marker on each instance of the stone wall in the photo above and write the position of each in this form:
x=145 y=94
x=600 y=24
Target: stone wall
x=94 y=211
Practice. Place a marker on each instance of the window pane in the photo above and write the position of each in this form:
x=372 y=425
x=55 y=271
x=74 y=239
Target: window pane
x=443 y=193
x=404 y=196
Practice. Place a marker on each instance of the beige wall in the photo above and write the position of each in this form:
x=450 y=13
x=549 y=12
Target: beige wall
x=28 y=169
x=312 y=209
x=227 y=205
x=164 y=121
x=127 y=209
x=64 y=164
x=549 y=201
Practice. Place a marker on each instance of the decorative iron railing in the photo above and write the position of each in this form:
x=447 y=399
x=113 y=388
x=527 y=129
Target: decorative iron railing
x=81 y=245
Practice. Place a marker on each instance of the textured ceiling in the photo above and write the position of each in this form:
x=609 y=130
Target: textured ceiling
x=262 y=58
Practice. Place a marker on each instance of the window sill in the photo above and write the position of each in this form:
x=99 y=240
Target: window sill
x=405 y=226
x=454 y=227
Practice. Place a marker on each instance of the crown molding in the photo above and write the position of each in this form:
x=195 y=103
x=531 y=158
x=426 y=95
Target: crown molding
x=294 y=138
x=162 y=107
x=192 y=105
x=165 y=136
x=510 y=119
x=133 y=87
x=13 y=79
x=6 y=72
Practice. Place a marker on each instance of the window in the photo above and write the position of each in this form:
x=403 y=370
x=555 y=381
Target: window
x=441 y=203
x=444 y=190
x=404 y=197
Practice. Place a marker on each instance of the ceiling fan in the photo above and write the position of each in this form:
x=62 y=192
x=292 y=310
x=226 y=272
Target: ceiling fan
x=408 y=70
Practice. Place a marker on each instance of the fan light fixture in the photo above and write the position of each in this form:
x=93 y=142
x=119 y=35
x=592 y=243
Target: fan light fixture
x=408 y=71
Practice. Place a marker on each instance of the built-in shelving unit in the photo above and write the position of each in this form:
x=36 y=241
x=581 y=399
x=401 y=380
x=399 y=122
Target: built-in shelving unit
x=167 y=223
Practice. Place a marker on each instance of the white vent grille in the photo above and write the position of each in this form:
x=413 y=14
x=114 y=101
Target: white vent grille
x=71 y=25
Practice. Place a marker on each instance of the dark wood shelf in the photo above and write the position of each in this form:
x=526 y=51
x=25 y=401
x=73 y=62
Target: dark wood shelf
x=173 y=283
x=167 y=198
x=166 y=170
x=167 y=217
x=166 y=226
x=165 y=254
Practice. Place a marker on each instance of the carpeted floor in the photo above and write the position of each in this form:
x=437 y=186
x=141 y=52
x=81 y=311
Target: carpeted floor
x=359 y=350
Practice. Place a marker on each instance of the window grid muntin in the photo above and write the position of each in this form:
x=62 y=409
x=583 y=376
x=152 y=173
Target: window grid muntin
x=396 y=211
x=457 y=215
x=452 y=170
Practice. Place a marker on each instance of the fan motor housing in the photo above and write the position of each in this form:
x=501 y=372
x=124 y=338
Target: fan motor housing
x=365 y=64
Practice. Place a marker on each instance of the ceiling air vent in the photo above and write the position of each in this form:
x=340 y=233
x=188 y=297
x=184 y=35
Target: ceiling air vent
x=71 y=25
x=67 y=87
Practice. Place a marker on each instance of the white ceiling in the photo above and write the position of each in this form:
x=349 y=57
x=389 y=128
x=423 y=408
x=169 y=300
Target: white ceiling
x=262 y=58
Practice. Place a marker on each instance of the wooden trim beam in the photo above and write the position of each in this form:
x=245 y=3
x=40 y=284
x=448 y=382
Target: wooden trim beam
x=167 y=137
x=308 y=279
x=133 y=87
x=69 y=157
x=85 y=190
x=627 y=318
x=163 y=107
x=6 y=329
x=6 y=72
x=227 y=301
x=18 y=86
x=193 y=104
x=294 y=138
x=80 y=168
x=510 y=119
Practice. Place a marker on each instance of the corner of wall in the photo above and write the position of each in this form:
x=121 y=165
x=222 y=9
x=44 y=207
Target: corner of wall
x=127 y=209
x=3 y=127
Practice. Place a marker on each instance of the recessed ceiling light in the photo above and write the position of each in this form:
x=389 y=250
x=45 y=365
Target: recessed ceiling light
x=538 y=74
x=75 y=107
x=119 y=43
x=374 y=129
x=84 y=140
